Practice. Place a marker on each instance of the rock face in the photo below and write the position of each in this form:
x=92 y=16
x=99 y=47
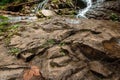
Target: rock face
x=71 y=49
x=108 y=9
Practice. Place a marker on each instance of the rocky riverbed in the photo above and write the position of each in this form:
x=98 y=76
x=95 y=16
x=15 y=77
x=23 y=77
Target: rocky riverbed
x=63 y=49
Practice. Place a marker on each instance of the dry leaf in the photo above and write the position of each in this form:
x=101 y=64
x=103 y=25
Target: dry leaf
x=34 y=71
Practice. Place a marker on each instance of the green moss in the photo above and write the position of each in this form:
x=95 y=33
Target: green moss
x=114 y=17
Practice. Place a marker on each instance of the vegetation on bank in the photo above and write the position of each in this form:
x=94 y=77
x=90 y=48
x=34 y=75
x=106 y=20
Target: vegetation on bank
x=4 y=2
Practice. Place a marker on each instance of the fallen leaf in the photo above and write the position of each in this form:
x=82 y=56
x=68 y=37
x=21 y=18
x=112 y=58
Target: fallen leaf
x=34 y=71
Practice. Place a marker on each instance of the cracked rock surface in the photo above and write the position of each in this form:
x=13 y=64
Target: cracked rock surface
x=71 y=49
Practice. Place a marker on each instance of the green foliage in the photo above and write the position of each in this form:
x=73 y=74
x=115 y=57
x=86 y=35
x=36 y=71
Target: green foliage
x=4 y=2
x=3 y=17
x=3 y=24
x=49 y=42
x=3 y=27
x=14 y=51
x=62 y=44
x=2 y=7
x=55 y=1
x=13 y=27
x=8 y=31
x=114 y=17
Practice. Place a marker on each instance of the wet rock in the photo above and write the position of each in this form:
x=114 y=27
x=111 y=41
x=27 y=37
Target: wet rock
x=100 y=68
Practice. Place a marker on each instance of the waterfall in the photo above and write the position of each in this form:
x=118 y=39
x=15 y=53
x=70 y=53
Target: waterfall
x=41 y=5
x=82 y=12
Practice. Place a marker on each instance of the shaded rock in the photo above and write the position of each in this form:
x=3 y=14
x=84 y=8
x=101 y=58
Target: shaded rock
x=112 y=47
x=26 y=56
x=100 y=68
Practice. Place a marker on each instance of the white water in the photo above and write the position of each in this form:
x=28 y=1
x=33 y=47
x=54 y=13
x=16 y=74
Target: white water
x=41 y=5
x=100 y=1
x=82 y=12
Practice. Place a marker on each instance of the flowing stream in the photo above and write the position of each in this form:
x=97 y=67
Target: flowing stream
x=82 y=12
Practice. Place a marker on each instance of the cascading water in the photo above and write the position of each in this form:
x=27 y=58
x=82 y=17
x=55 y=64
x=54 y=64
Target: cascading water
x=82 y=12
x=41 y=5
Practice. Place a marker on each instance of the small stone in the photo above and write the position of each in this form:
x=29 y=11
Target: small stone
x=47 y=13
